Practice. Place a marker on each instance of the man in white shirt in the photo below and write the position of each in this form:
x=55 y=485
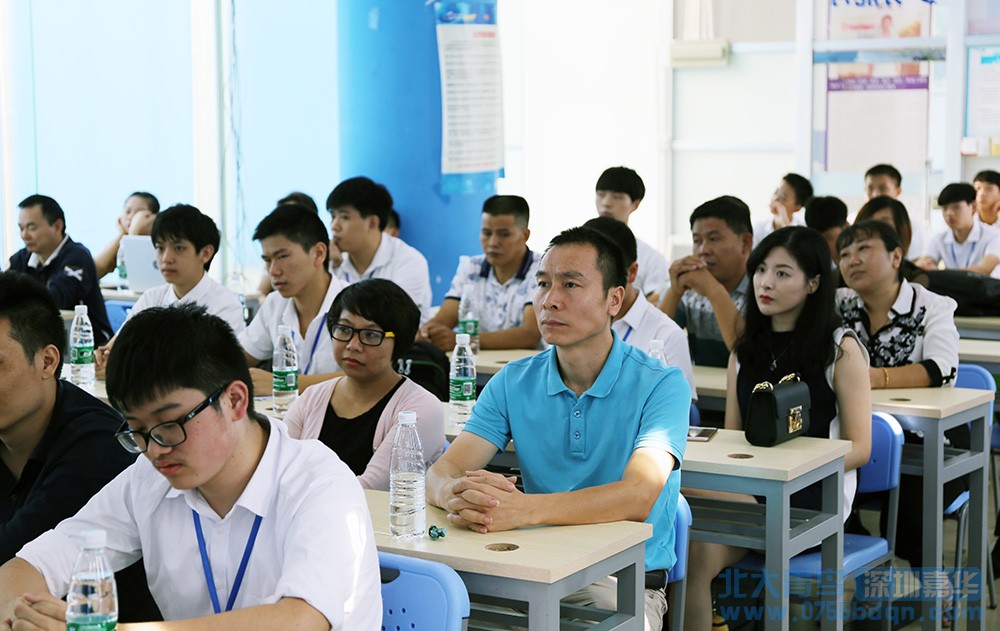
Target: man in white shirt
x=788 y=199
x=360 y=210
x=293 y=241
x=220 y=483
x=966 y=244
x=885 y=179
x=620 y=190
x=639 y=322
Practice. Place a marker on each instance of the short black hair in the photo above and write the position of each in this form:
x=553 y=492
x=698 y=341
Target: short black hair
x=622 y=180
x=610 y=258
x=35 y=321
x=384 y=303
x=297 y=224
x=620 y=233
x=732 y=210
x=508 y=205
x=824 y=213
x=887 y=170
x=183 y=221
x=802 y=187
x=297 y=198
x=51 y=209
x=989 y=176
x=900 y=218
x=368 y=197
x=394 y=220
x=151 y=202
x=871 y=229
x=163 y=349
x=956 y=192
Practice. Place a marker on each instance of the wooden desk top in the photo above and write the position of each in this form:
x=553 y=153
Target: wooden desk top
x=544 y=554
x=928 y=402
x=972 y=351
x=710 y=381
x=981 y=323
x=491 y=362
x=783 y=462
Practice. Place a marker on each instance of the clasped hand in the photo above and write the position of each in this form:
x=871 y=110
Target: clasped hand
x=35 y=612
x=487 y=502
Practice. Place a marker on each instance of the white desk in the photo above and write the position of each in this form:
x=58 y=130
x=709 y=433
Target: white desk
x=985 y=353
x=933 y=411
x=549 y=562
x=710 y=384
x=491 y=362
x=728 y=462
x=978 y=328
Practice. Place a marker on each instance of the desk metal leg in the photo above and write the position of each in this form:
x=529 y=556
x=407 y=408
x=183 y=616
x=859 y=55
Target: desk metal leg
x=776 y=564
x=933 y=491
x=979 y=445
x=832 y=551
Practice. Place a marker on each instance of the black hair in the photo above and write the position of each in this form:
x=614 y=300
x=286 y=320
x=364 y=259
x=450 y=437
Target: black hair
x=163 y=349
x=887 y=170
x=35 y=321
x=989 y=176
x=183 y=221
x=368 y=197
x=515 y=205
x=900 y=218
x=297 y=198
x=871 y=229
x=622 y=180
x=620 y=233
x=811 y=349
x=297 y=224
x=801 y=186
x=51 y=209
x=151 y=202
x=394 y=220
x=824 y=213
x=956 y=192
x=384 y=303
x=732 y=210
x=610 y=258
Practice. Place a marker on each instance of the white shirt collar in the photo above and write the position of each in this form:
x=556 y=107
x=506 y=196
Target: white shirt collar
x=36 y=261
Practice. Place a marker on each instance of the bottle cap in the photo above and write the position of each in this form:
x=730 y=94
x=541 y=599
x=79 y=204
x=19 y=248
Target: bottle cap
x=95 y=538
x=284 y=329
x=80 y=310
x=407 y=418
x=656 y=345
x=462 y=338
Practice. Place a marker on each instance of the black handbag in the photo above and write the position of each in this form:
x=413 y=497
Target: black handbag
x=777 y=412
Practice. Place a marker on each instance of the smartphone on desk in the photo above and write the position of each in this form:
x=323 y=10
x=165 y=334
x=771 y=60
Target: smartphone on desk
x=701 y=434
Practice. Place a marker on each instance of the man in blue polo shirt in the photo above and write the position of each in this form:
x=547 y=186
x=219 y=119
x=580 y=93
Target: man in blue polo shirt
x=600 y=427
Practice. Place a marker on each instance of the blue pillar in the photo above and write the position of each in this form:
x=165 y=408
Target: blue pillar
x=390 y=127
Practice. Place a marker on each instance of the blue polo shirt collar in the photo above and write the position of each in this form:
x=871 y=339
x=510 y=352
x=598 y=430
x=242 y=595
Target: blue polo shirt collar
x=605 y=380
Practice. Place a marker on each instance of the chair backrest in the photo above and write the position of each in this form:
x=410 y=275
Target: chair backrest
x=881 y=472
x=682 y=526
x=694 y=416
x=975 y=376
x=117 y=312
x=421 y=594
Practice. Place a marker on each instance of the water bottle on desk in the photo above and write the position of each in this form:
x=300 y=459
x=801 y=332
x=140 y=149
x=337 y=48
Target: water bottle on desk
x=122 y=273
x=407 y=504
x=461 y=381
x=81 y=348
x=656 y=351
x=468 y=321
x=92 y=601
x=285 y=371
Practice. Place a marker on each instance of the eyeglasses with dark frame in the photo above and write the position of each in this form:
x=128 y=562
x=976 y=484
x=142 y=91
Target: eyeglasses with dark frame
x=368 y=337
x=169 y=434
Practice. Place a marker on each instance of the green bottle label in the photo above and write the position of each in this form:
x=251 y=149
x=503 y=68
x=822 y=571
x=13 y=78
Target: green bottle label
x=109 y=625
x=285 y=381
x=469 y=326
x=122 y=272
x=81 y=355
x=461 y=389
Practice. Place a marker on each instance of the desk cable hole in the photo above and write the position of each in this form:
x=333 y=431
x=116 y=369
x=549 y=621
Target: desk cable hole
x=740 y=456
x=502 y=547
x=901 y=399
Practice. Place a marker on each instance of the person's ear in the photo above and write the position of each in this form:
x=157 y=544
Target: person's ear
x=318 y=253
x=47 y=359
x=616 y=296
x=746 y=240
x=237 y=396
x=813 y=283
x=633 y=271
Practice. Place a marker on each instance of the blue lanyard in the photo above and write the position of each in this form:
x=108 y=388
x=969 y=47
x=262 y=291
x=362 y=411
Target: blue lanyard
x=968 y=259
x=627 y=333
x=207 y=566
x=319 y=332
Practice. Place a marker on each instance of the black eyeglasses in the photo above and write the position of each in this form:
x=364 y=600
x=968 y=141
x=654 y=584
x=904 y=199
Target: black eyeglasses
x=169 y=434
x=368 y=337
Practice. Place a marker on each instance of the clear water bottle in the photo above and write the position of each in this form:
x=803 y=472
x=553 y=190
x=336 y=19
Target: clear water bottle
x=468 y=321
x=461 y=381
x=285 y=370
x=656 y=351
x=121 y=271
x=92 y=601
x=81 y=348
x=407 y=506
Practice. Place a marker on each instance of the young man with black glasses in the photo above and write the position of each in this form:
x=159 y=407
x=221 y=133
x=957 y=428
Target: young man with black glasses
x=219 y=483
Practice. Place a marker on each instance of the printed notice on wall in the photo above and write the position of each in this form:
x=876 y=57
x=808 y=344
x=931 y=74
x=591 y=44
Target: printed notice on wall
x=472 y=148
x=983 y=116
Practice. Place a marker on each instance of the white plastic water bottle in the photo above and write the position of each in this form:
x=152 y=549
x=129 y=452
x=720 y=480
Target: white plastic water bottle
x=92 y=601
x=461 y=381
x=656 y=351
x=468 y=321
x=81 y=348
x=121 y=271
x=285 y=370
x=407 y=506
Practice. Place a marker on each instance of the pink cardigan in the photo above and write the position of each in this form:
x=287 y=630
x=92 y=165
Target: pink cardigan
x=305 y=418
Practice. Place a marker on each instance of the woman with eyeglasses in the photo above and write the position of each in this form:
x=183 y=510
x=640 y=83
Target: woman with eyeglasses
x=372 y=323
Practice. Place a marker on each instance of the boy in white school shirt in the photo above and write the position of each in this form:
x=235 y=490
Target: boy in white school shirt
x=966 y=244
x=218 y=483
x=786 y=203
x=293 y=242
x=360 y=210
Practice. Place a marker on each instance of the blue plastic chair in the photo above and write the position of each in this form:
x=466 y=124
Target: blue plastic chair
x=419 y=594
x=861 y=552
x=678 y=574
x=118 y=310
